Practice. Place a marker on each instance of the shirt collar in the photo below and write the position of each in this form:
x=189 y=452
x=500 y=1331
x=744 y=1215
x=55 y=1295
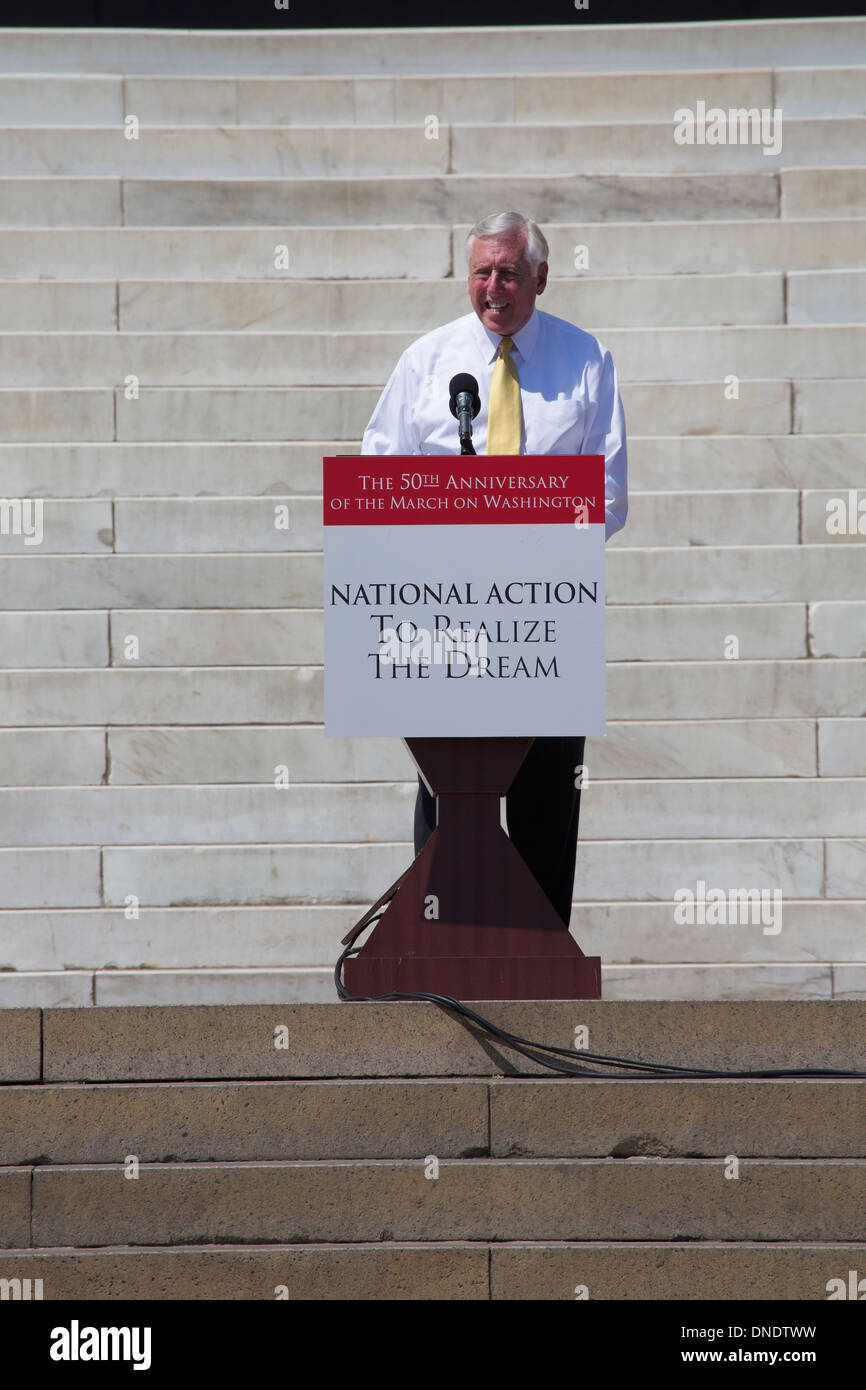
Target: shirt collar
x=524 y=340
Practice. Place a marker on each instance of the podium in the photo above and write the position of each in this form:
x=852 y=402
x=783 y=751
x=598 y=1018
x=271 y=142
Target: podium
x=464 y=611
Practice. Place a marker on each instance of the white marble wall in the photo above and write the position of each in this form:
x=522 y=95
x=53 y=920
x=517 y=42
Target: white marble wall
x=145 y=853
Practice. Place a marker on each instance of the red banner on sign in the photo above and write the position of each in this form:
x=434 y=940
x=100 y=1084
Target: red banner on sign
x=434 y=490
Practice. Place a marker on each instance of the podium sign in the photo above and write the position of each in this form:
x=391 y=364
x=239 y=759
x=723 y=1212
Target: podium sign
x=464 y=597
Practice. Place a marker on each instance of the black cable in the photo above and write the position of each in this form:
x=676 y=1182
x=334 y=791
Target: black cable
x=642 y=1071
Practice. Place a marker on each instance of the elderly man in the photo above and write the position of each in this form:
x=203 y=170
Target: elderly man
x=546 y=387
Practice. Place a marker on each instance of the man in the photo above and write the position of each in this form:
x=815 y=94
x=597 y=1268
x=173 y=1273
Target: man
x=546 y=387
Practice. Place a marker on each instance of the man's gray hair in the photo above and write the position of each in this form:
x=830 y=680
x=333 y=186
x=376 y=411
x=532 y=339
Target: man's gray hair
x=536 y=243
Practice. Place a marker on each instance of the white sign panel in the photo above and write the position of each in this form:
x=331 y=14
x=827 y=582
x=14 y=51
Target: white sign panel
x=464 y=597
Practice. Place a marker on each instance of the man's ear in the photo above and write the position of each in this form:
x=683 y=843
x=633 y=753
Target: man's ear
x=542 y=276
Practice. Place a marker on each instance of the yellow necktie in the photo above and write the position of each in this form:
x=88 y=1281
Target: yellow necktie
x=504 y=417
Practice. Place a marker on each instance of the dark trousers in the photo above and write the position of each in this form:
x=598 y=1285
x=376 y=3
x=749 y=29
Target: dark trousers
x=541 y=810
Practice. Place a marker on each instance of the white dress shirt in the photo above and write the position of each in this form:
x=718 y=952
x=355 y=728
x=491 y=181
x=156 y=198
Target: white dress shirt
x=568 y=391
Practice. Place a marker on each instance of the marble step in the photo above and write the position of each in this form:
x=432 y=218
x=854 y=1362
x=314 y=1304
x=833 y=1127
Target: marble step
x=199 y=755
x=349 y=359
x=230 y=637
x=803 y=191
x=380 y=813
x=644 y=198
x=147 y=987
x=629 y=48
x=60 y=201
x=260 y=875
x=333 y=252
x=328 y=305
x=633 y=939
x=238 y=306
x=694 y=748
x=815 y=237
x=640 y=200
x=830 y=296
x=441 y=1270
x=706 y=574
x=205 y=754
x=294 y=524
x=263 y=637
x=663 y=463
x=418 y=253
x=240 y=694
x=97 y=100
x=302 y=151
x=247 y=413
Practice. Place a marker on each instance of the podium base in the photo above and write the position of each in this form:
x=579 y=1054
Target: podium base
x=491 y=977
x=469 y=918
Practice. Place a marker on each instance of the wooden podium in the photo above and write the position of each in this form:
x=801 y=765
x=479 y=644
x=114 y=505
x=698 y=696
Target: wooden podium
x=468 y=919
x=495 y=934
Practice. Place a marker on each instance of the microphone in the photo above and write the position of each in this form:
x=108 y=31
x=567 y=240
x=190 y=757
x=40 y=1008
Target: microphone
x=465 y=404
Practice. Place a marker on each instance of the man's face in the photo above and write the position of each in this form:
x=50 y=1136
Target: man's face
x=502 y=284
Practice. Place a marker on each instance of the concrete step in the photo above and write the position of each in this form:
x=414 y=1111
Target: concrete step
x=524 y=1271
x=274 y=1121
x=392 y=1270
x=633 y=938
x=187 y=469
x=102 y=100
x=304 y=813
x=585 y=48
x=417 y=1039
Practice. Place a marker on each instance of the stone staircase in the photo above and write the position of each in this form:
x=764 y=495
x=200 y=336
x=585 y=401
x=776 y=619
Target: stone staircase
x=213 y=247
x=361 y=1151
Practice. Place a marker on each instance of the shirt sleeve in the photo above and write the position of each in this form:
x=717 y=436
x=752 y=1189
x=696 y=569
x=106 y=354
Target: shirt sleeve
x=393 y=427
x=604 y=433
